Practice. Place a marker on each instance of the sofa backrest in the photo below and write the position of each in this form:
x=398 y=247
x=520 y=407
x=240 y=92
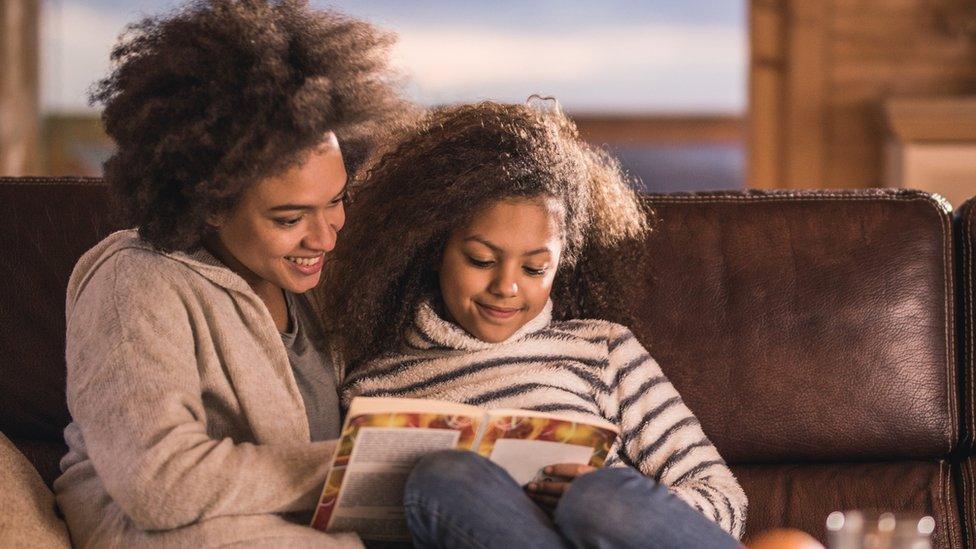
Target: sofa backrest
x=813 y=334
x=45 y=226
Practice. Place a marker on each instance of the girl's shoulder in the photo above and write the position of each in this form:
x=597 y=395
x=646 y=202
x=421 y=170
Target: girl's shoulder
x=590 y=329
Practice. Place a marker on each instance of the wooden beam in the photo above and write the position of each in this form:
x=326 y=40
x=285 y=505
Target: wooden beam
x=19 y=87
x=766 y=76
x=806 y=103
x=642 y=128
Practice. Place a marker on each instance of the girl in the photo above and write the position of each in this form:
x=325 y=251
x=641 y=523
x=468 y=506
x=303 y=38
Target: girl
x=487 y=239
x=203 y=398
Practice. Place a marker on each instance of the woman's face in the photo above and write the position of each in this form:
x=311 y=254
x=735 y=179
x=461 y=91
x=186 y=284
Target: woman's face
x=496 y=273
x=277 y=236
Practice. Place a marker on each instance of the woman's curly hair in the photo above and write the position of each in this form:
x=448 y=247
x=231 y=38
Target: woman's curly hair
x=435 y=177
x=205 y=102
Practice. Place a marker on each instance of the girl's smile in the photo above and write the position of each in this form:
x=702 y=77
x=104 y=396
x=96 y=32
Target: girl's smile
x=498 y=313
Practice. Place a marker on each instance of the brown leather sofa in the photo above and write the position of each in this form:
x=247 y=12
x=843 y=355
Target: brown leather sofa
x=823 y=339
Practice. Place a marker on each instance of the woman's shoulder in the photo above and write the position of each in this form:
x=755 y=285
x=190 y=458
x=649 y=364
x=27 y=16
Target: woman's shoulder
x=125 y=263
x=125 y=244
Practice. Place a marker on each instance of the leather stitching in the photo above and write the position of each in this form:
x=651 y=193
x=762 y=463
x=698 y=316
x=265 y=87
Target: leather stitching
x=966 y=498
x=42 y=181
x=944 y=494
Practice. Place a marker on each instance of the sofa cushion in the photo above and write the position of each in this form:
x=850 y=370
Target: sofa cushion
x=802 y=495
x=807 y=326
x=27 y=509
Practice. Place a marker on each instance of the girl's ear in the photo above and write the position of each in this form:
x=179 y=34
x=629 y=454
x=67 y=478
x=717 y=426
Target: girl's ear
x=216 y=220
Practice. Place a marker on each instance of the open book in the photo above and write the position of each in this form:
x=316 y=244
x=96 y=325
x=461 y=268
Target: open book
x=383 y=438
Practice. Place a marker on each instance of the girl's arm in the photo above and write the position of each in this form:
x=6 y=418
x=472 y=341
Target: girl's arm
x=134 y=390
x=663 y=439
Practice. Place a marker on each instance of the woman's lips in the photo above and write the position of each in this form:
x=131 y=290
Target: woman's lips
x=497 y=313
x=303 y=267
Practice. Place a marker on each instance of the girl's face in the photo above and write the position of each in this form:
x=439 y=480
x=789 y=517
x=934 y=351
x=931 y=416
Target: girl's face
x=496 y=273
x=277 y=236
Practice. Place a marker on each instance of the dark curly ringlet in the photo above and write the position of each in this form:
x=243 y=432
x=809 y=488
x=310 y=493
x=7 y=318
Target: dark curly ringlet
x=436 y=177
x=222 y=93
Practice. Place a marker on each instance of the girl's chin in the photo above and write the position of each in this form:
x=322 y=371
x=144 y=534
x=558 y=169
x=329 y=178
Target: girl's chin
x=494 y=336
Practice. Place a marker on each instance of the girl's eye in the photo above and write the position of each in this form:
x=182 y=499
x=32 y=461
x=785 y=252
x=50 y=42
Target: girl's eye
x=535 y=272
x=288 y=221
x=480 y=264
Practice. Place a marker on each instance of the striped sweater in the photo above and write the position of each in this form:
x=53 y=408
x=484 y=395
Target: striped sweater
x=592 y=367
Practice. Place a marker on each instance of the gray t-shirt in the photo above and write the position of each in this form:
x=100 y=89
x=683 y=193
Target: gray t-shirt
x=314 y=372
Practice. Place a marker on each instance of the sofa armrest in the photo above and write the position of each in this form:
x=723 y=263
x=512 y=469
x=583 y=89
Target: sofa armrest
x=27 y=507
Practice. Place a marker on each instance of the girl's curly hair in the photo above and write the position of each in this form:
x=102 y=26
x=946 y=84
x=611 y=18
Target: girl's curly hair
x=440 y=173
x=205 y=102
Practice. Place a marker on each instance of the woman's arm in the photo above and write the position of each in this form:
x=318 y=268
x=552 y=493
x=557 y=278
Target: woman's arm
x=663 y=439
x=134 y=389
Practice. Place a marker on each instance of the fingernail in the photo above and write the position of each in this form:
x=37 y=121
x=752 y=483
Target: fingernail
x=548 y=470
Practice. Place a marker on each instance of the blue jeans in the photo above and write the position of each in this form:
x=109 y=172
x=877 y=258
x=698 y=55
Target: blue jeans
x=460 y=499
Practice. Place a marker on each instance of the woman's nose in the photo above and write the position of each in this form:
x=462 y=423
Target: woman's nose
x=324 y=231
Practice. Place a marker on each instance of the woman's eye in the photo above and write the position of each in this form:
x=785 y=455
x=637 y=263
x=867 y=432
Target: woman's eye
x=535 y=272
x=288 y=221
x=480 y=264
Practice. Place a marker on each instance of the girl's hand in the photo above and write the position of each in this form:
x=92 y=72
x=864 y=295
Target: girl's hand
x=547 y=493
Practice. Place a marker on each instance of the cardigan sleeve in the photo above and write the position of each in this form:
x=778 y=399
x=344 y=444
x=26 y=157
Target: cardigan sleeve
x=662 y=438
x=134 y=390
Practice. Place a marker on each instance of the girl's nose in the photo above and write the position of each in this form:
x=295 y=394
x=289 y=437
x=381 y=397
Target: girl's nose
x=504 y=285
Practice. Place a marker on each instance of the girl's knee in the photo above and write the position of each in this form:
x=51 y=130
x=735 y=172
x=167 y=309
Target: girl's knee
x=445 y=468
x=605 y=500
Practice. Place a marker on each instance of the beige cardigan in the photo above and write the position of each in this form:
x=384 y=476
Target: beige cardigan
x=188 y=427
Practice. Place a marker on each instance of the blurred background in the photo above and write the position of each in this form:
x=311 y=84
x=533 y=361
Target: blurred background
x=690 y=95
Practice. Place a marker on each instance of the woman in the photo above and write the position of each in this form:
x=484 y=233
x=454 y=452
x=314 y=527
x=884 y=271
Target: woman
x=203 y=399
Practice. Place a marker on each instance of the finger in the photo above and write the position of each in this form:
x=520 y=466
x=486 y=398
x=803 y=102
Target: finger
x=549 y=502
x=568 y=470
x=554 y=487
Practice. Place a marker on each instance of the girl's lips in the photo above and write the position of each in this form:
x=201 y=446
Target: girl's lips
x=496 y=312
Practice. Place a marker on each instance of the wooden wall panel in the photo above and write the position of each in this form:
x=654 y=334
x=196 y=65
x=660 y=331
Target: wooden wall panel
x=19 y=85
x=836 y=63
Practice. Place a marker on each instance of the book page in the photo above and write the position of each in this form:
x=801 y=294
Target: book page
x=364 y=488
x=524 y=459
x=523 y=442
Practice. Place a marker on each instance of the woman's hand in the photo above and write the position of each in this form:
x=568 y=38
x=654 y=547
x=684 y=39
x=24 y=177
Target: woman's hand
x=546 y=493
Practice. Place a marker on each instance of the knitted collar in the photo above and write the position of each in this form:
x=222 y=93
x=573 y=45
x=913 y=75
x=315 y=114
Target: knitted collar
x=430 y=331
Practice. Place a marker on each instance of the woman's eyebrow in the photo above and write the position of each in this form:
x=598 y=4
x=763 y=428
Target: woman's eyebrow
x=290 y=207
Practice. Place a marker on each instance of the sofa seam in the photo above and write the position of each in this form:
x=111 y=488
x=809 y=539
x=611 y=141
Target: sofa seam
x=950 y=304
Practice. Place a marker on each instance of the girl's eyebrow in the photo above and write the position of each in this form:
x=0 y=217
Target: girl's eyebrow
x=481 y=240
